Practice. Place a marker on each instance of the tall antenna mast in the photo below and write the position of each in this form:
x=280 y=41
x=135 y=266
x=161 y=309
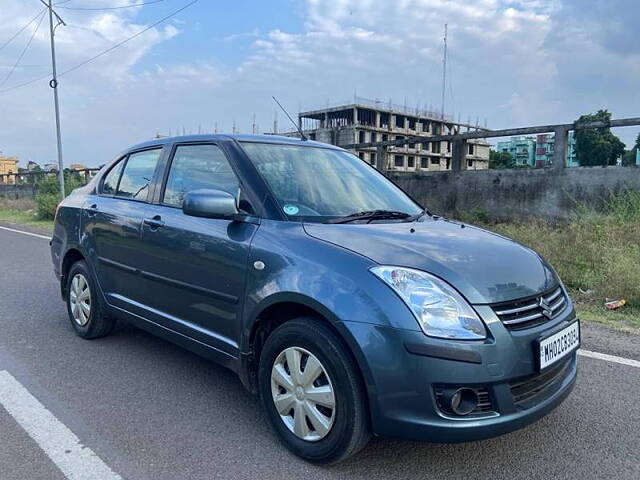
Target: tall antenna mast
x=444 y=69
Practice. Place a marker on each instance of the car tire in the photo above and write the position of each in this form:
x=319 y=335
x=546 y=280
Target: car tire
x=315 y=343
x=84 y=306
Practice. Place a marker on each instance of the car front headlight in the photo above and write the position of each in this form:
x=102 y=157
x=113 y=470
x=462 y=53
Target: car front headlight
x=439 y=308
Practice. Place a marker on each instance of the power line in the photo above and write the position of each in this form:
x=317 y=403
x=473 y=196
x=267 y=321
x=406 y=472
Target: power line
x=24 y=50
x=22 y=29
x=119 y=44
x=24 y=84
x=104 y=52
x=111 y=8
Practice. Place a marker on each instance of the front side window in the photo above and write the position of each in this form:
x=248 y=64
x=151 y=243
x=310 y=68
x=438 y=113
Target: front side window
x=195 y=167
x=320 y=183
x=110 y=182
x=137 y=174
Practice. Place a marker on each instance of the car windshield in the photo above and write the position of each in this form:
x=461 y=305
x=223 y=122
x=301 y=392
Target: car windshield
x=317 y=184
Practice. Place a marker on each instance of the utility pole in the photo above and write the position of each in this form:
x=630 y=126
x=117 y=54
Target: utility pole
x=54 y=85
x=444 y=69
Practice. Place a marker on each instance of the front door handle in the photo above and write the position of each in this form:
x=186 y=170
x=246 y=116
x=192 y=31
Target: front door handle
x=92 y=210
x=154 y=223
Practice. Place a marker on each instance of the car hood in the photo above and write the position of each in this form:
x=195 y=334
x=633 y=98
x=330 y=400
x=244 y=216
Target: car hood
x=483 y=266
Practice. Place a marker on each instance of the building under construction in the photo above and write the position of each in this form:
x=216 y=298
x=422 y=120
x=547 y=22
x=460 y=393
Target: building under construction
x=365 y=121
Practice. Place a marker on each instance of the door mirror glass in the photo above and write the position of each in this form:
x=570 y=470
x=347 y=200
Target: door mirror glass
x=209 y=203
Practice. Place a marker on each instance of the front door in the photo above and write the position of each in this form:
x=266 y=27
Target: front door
x=195 y=268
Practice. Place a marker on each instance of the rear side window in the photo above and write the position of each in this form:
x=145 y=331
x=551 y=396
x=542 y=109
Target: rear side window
x=195 y=167
x=110 y=182
x=137 y=175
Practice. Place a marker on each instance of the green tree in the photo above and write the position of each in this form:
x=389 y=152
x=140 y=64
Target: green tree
x=597 y=146
x=48 y=193
x=629 y=157
x=500 y=160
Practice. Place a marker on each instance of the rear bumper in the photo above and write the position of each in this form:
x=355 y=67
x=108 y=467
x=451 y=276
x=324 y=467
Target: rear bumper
x=402 y=383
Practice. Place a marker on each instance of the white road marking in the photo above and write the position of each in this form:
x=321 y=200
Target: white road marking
x=24 y=233
x=75 y=460
x=609 y=358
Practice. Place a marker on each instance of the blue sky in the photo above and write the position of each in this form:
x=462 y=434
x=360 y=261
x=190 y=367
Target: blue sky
x=220 y=30
x=511 y=63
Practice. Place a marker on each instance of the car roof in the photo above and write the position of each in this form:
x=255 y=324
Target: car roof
x=275 y=139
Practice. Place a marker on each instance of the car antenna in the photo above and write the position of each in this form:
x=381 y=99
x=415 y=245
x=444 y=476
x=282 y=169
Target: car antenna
x=302 y=135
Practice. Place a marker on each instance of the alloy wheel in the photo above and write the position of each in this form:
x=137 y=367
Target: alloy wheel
x=303 y=394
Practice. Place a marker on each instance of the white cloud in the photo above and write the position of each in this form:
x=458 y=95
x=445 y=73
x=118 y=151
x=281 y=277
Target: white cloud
x=514 y=62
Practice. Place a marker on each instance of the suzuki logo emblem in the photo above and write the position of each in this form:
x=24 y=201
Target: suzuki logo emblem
x=546 y=308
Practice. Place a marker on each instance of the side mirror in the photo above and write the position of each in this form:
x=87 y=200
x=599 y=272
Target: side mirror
x=209 y=203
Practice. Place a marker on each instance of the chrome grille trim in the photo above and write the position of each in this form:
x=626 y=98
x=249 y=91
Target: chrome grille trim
x=531 y=311
x=516 y=310
x=522 y=319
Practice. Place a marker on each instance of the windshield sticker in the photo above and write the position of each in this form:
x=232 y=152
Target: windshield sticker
x=291 y=209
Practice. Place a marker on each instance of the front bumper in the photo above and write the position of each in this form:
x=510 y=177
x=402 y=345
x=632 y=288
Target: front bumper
x=402 y=368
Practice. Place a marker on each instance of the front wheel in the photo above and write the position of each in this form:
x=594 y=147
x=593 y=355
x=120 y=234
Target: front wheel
x=312 y=393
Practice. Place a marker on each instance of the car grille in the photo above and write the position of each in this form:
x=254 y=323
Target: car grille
x=484 y=401
x=532 y=311
x=529 y=391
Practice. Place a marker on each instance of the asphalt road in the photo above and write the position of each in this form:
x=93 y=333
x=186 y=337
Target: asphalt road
x=151 y=410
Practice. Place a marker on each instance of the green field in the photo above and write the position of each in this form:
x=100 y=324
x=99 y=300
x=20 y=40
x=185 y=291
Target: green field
x=23 y=212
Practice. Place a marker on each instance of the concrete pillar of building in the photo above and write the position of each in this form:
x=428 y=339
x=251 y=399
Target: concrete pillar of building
x=561 y=140
x=378 y=119
x=325 y=120
x=355 y=115
x=381 y=158
x=458 y=154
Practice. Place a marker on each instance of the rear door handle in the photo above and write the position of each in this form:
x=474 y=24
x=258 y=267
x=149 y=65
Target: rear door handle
x=154 y=223
x=92 y=210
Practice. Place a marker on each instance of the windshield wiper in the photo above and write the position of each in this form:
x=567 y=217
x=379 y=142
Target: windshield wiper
x=371 y=215
x=418 y=216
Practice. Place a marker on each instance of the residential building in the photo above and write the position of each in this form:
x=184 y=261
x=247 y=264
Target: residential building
x=31 y=166
x=8 y=166
x=545 y=144
x=522 y=149
x=77 y=166
x=365 y=121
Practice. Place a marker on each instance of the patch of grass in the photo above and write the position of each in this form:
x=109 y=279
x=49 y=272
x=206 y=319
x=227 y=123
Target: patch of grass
x=23 y=212
x=627 y=318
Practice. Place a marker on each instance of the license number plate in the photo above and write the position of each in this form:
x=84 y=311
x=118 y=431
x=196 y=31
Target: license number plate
x=559 y=345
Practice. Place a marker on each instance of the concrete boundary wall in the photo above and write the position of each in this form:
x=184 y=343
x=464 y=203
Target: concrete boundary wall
x=517 y=194
x=15 y=191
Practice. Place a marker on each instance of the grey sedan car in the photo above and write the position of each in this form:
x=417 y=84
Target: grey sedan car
x=347 y=306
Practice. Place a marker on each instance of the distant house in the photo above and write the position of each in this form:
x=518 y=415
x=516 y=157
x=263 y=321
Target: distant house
x=77 y=166
x=31 y=166
x=50 y=167
x=8 y=169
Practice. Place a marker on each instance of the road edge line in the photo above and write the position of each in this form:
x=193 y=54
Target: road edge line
x=61 y=445
x=25 y=233
x=609 y=358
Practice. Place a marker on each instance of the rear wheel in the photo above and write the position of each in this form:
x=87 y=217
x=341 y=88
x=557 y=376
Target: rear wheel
x=83 y=304
x=312 y=393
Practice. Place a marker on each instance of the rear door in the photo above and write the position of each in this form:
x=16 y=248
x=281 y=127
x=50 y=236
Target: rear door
x=112 y=221
x=195 y=268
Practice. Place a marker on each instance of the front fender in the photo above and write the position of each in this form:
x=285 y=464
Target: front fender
x=333 y=281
